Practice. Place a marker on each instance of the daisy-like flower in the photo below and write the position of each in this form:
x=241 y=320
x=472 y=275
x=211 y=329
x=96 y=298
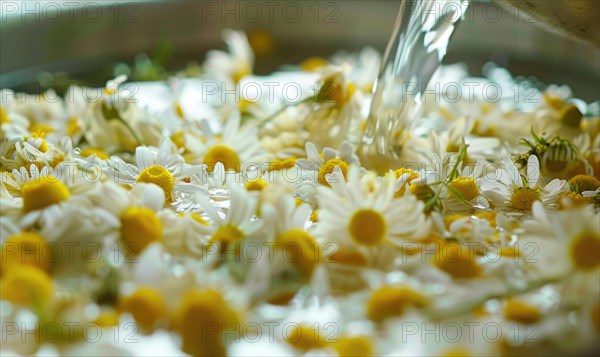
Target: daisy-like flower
x=507 y=189
x=152 y=165
x=365 y=217
x=229 y=224
x=325 y=163
x=236 y=147
x=11 y=123
x=234 y=65
x=578 y=244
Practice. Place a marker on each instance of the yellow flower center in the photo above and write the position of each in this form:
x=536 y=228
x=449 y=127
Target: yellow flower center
x=466 y=186
x=305 y=255
x=240 y=73
x=27 y=248
x=581 y=183
x=572 y=199
x=523 y=198
x=256 y=185
x=178 y=139
x=223 y=154
x=350 y=257
x=203 y=320
x=312 y=63
x=4 y=119
x=140 y=226
x=226 y=235
x=107 y=319
x=98 y=152
x=27 y=285
x=554 y=101
x=355 y=346
x=39 y=134
x=44 y=192
x=367 y=227
x=305 y=338
x=585 y=251
x=412 y=175
x=40 y=129
x=284 y=164
x=147 y=306
x=521 y=312
x=391 y=301
x=570 y=116
x=159 y=176
x=73 y=126
x=328 y=167
x=456 y=261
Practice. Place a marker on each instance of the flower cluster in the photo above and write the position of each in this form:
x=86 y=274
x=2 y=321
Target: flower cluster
x=252 y=226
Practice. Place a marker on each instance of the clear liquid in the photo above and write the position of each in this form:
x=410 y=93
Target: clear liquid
x=415 y=51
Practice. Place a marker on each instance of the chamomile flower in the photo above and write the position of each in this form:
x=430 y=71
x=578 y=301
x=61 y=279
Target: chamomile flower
x=506 y=188
x=234 y=65
x=367 y=219
x=235 y=147
x=152 y=165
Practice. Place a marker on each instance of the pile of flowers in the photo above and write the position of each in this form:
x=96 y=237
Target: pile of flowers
x=240 y=224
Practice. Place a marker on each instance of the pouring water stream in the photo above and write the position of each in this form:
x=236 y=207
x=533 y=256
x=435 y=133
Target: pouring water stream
x=415 y=51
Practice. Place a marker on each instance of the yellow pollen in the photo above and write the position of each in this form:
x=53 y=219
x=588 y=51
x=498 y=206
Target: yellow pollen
x=312 y=63
x=147 y=306
x=27 y=285
x=328 y=167
x=367 y=227
x=27 y=248
x=391 y=301
x=570 y=116
x=4 y=119
x=314 y=216
x=355 y=346
x=466 y=186
x=452 y=147
x=585 y=251
x=202 y=320
x=521 y=312
x=523 y=198
x=223 y=154
x=456 y=261
x=305 y=338
x=40 y=129
x=582 y=183
x=98 y=152
x=159 y=176
x=302 y=250
x=140 y=226
x=256 y=185
x=44 y=192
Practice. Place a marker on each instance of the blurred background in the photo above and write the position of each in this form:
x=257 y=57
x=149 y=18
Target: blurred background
x=53 y=41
